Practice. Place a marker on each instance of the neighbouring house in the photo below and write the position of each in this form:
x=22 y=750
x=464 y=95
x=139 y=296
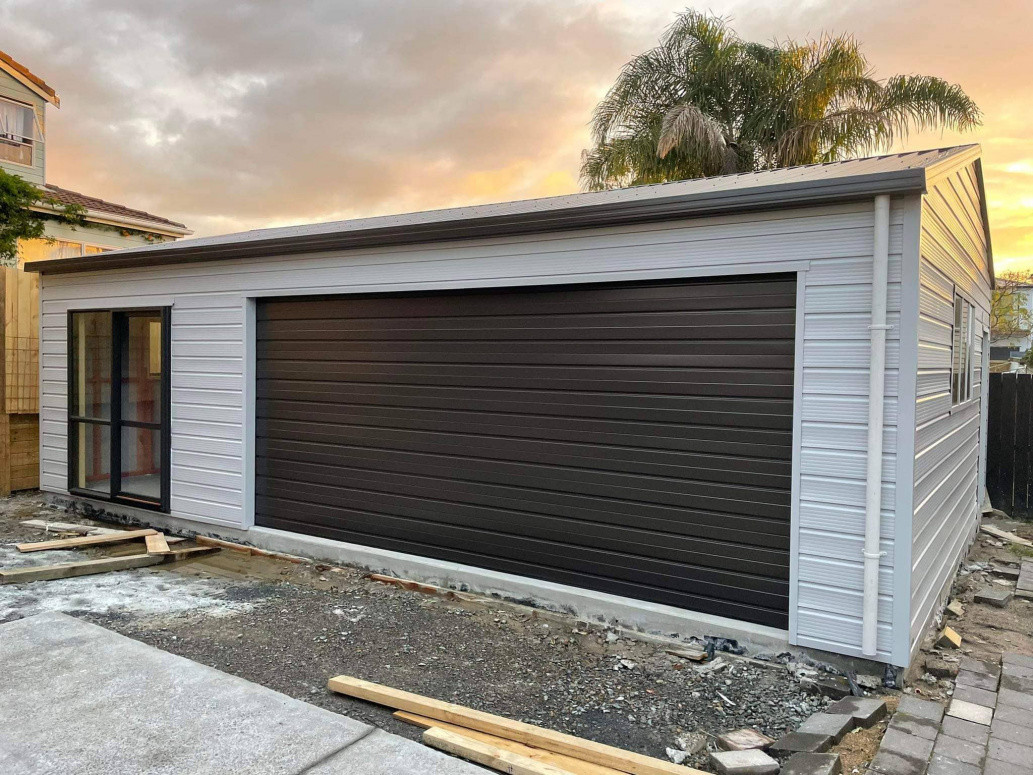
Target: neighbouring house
x=1003 y=348
x=23 y=152
x=650 y=405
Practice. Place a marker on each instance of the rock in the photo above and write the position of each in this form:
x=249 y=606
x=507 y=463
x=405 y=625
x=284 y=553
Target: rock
x=677 y=755
x=869 y=682
x=813 y=764
x=743 y=740
x=692 y=742
x=948 y=639
x=955 y=608
x=999 y=598
x=751 y=762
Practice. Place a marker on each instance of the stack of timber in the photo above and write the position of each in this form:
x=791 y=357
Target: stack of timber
x=503 y=744
x=157 y=553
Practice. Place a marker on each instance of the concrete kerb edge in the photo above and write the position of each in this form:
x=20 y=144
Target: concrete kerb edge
x=643 y=620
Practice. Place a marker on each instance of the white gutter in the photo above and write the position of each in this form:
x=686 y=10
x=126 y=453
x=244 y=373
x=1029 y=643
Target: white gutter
x=140 y=224
x=876 y=407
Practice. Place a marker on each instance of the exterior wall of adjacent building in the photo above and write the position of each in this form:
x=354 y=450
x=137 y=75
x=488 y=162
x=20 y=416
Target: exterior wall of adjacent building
x=829 y=247
x=949 y=447
x=13 y=90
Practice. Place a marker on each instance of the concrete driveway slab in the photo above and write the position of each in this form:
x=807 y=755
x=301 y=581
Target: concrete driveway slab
x=82 y=700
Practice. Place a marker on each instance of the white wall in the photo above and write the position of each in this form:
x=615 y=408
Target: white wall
x=833 y=244
x=954 y=255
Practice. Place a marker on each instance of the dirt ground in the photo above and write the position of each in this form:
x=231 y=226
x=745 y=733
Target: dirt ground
x=291 y=626
x=986 y=631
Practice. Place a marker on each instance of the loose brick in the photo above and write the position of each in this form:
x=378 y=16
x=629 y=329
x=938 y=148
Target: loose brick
x=978 y=666
x=833 y=725
x=995 y=596
x=941 y=765
x=749 y=762
x=969 y=711
x=926 y=709
x=1013 y=753
x=1015 y=699
x=743 y=740
x=865 y=710
x=977 y=696
x=977 y=680
x=912 y=725
x=1022 y=734
x=966 y=730
x=813 y=764
x=1010 y=658
x=956 y=748
x=802 y=742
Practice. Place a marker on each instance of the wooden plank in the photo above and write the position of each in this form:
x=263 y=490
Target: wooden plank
x=565 y=763
x=1004 y=535
x=489 y=755
x=70 y=527
x=73 y=543
x=156 y=544
x=84 y=568
x=528 y=734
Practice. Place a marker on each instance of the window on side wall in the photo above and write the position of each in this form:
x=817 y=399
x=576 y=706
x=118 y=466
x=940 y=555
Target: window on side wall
x=961 y=350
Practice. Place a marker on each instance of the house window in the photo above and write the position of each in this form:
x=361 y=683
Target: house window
x=18 y=132
x=961 y=361
x=118 y=406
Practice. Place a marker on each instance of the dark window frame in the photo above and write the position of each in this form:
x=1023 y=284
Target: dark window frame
x=114 y=421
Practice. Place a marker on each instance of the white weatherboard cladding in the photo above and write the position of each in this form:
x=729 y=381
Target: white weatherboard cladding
x=832 y=243
x=954 y=256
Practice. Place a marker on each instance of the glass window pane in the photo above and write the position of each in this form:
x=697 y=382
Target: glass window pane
x=91 y=356
x=141 y=463
x=93 y=457
x=141 y=369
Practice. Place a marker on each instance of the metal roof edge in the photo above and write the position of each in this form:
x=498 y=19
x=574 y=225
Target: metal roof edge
x=594 y=215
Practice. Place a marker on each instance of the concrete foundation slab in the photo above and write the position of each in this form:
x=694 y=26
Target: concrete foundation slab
x=77 y=698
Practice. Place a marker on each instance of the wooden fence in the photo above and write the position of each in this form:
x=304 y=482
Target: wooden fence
x=1009 y=462
x=19 y=381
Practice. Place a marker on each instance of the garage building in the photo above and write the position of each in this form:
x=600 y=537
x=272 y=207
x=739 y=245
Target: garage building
x=648 y=404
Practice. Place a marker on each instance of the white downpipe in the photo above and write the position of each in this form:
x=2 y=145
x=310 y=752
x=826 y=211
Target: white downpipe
x=876 y=391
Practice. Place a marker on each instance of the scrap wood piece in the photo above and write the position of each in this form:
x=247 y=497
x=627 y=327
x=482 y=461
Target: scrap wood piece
x=565 y=763
x=102 y=565
x=84 y=568
x=68 y=527
x=254 y=551
x=156 y=544
x=71 y=543
x=487 y=754
x=1004 y=535
x=694 y=655
x=412 y=586
x=518 y=731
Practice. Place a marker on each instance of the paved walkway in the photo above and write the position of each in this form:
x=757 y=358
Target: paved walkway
x=78 y=699
x=987 y=728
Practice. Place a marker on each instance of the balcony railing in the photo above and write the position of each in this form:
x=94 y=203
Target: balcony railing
x=15 y=151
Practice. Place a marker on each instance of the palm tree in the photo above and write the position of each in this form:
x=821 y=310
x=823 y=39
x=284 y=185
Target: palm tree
x=705 y=102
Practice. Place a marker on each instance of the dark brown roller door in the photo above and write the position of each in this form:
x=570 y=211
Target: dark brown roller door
x=629 y=438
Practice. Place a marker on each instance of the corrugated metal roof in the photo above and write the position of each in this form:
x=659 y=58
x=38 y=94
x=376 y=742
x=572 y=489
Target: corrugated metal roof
x=786 y=187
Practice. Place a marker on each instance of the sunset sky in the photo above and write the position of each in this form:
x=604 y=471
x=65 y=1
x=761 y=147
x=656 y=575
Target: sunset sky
x=233 y=115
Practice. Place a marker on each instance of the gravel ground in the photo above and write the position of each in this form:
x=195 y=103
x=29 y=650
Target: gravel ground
x=290 y=626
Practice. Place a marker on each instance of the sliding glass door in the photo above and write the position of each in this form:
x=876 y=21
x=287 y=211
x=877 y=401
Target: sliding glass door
x=118 y=406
